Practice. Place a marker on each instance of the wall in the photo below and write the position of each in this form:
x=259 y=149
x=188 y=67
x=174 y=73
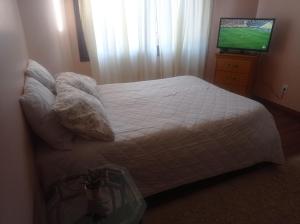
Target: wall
x=57 y=51
x=225 y=8
x=222 y=8
x=16 y=186
x=45 y=43
x=281 y=65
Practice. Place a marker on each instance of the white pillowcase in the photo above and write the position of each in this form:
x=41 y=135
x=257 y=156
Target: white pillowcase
x=41 y=74
x=37 y=103
x=78 y=81
x=82 y=113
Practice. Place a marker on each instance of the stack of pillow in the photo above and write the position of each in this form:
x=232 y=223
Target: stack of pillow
x=60 y=110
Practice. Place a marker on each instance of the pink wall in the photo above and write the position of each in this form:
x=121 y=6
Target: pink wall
x=45 y=43
x=58 y=51
x=16 y=172
x=282 y=64
x=225 y=8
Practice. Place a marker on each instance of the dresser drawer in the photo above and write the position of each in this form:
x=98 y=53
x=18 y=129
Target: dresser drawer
x=241 y=90
x=231 y=65
x=231 y=78
x=235 y=72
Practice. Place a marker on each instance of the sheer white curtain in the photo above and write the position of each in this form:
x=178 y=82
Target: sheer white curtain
x=130 y=40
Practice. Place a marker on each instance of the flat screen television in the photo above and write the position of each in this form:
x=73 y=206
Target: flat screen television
x=245 y=34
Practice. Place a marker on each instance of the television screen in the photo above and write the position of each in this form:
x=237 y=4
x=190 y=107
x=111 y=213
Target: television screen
x=245 y=34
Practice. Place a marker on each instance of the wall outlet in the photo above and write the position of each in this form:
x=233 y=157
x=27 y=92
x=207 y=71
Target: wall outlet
x=284 y=89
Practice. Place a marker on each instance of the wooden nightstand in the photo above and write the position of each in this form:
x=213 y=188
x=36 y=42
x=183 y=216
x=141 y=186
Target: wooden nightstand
x=236 y=72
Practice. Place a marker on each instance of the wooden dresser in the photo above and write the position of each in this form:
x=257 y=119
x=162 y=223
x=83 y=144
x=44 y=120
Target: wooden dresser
x=236 y=72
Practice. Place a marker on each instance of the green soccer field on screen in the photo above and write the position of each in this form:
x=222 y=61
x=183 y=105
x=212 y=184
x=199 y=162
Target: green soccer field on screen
x=245 y=34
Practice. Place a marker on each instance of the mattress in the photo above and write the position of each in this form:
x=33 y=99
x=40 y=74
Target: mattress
x=171 y=132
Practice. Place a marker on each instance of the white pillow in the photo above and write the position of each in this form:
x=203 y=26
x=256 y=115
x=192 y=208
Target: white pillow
x=41 y=74
x=37 y=103
x=78 y=81
x=82 y=113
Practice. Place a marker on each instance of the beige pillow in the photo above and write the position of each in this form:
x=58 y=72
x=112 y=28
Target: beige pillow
x=78 y=81
x=82 y=113
x=41 y=74
x=37 y=102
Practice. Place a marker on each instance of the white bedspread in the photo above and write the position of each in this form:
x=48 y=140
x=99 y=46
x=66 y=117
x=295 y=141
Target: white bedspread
x=172 y=132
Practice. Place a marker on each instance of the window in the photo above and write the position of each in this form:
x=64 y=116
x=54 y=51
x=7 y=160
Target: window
x=130 y=40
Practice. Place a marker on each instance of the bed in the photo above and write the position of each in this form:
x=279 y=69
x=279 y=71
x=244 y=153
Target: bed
x=171 y=132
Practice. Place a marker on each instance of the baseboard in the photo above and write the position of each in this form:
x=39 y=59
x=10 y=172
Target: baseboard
x=278 y=106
